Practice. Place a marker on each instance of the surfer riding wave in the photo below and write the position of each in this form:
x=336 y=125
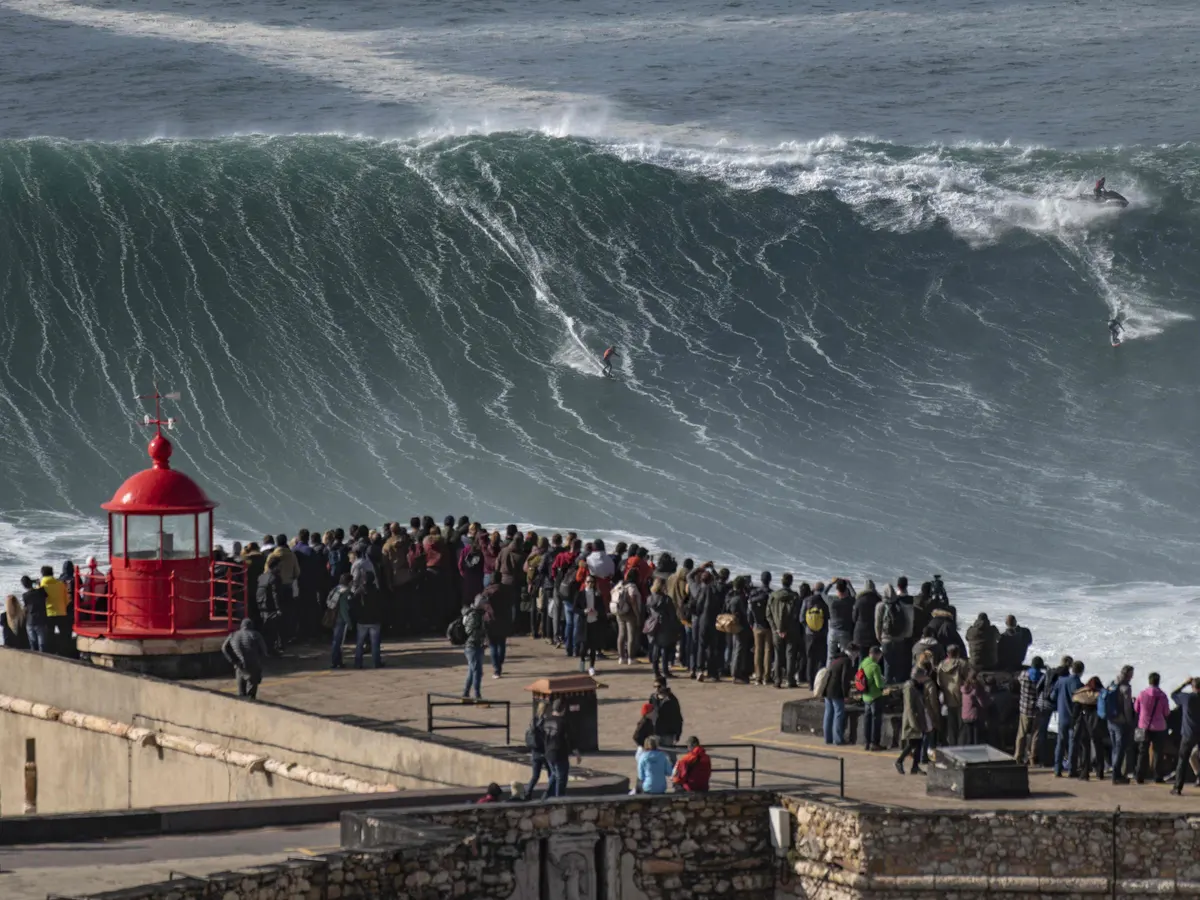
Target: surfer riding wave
x=606 y=367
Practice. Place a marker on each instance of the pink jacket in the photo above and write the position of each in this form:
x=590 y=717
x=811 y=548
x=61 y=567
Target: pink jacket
x=1151 y=706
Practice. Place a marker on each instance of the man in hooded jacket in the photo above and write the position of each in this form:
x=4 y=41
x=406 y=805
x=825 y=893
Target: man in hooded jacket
x=984 y=640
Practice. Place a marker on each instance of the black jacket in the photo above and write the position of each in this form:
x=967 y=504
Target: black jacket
x=368 y=605
x=1014 y=644
x=945 y=632
x=34 y=604
x=707 y=603
x=758 y=606
x=267 y=596
x=838 y=678
x=864 y=620
x=558 y=737
x=669 y=722
x=984 y=639
x=841 y=613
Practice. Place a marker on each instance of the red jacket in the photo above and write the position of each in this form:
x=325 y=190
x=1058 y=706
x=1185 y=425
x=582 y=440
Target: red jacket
x=693 y=770
x=564 y=560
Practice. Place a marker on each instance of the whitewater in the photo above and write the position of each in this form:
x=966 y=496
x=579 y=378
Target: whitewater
x=380 y=260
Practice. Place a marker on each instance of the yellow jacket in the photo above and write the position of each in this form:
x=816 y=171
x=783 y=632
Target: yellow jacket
x=56 y=596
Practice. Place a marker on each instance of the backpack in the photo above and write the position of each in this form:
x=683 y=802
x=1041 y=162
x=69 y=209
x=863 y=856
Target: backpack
x=535 y=736
x=814 y=618
x=1109 y=703
x=860 y=681
x=624 y=607
x=1043 y=701
x=820 y=681
x=456 y=634
x=893 y=619
x=474 y=560
x=566 y=584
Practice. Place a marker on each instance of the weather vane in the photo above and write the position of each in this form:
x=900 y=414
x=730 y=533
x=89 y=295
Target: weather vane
x=157 y=420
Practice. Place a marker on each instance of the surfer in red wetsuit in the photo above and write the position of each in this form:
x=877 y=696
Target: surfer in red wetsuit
x=608 y=355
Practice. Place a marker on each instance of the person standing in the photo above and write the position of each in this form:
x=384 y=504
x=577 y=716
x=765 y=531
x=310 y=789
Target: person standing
x=678 y=589
x=661 y=629
x=950 y=675
x=975 y=702
x=560 y=744
x=1062 y=693
x=33 y=601
x=785 y=634
x=535 y=743
x=591 y=612
x=668 y=716
x=1152 y=707
x=916 y=722
x=368 y=617
x=340 y=602
x=1189 y=729
x=814 y=613
x=627 y=607
x=764 y=642
x=707 y=604
x=1121 y=720
x=245 y=649
x=58 y=624
x=1028 y=683
x=892 y=626
x=864 y=615
x=841 y=615
x=872 y=708
x=472 y=618
x=838 y=678
x=737 y=604
x=1014 y=644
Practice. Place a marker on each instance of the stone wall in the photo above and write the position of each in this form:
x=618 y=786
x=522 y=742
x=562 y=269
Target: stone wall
x=849 y=851
x=673 y=847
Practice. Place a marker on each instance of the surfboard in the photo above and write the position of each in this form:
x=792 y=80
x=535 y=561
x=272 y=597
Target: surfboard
x=1116 y=342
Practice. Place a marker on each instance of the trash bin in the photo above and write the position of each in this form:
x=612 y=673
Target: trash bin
x=583 y=715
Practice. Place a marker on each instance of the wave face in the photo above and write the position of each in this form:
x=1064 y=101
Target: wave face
x=837 y=356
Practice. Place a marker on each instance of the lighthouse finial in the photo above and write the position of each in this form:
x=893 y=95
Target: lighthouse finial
x=160 y=448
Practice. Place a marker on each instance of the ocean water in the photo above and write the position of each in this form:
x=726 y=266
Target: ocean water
x=860 y=309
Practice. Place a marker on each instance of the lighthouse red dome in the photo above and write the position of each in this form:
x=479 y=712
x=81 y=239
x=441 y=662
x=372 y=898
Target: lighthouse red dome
x=159 y=489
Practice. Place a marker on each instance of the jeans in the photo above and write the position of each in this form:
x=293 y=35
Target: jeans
x=559 y=769
x=872 y=724
x=1064 y=747
x=838 y=639
x=661 y=658
x=499 y=652
x=1122 y=760
x=764 y=654
x=537 y=762
x=335 y=649
x=38 y=636
x=364 y=632
x=687 y=649
x=474 y=670
x=568 y=634
x=835 y=720
x=627 y=637
x=1042 y=749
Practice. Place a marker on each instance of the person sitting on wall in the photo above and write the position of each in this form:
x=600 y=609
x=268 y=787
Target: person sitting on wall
x=694 y=769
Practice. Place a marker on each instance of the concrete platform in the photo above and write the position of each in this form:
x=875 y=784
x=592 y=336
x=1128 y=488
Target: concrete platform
x=722 y=713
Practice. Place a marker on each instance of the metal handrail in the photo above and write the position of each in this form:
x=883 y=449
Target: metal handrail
x=431 y=725
x=756 y=769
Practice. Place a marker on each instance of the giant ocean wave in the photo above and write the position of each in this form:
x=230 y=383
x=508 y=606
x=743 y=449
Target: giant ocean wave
x=843 y=355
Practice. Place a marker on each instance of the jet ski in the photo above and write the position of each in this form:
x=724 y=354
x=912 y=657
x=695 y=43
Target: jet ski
x=1105 y=198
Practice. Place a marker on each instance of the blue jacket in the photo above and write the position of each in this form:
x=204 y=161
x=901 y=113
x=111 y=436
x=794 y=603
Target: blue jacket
x=1062 y=692
x=653 y=769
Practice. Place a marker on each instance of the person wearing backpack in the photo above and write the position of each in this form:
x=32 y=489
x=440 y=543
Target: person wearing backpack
x=838 y=677
x=814 y=613
x=559 y=746
x=339 y=603
x=869 y=682
x=1120 y=718
x=785 y=633
x=627 y=599
x=472 y=619
x=760 y=596
x=893 y=628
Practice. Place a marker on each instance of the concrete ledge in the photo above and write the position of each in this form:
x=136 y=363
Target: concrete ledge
x=243 y=816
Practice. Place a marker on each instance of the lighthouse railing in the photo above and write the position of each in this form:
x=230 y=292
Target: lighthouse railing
x=124 y=608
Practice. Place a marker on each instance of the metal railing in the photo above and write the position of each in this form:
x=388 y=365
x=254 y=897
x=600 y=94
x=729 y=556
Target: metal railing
x=742 y=768
x=157 y=597
x=435 y=722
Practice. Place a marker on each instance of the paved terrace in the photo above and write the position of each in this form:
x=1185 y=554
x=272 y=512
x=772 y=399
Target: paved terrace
x=722 y=713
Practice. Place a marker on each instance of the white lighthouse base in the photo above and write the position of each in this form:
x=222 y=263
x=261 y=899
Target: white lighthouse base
x=196 y=657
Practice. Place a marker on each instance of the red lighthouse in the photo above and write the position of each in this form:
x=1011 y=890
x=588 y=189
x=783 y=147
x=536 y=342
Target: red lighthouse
x=162 y=606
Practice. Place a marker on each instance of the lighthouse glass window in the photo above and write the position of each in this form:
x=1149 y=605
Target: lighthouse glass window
x=179 y=537
x=141 y=540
